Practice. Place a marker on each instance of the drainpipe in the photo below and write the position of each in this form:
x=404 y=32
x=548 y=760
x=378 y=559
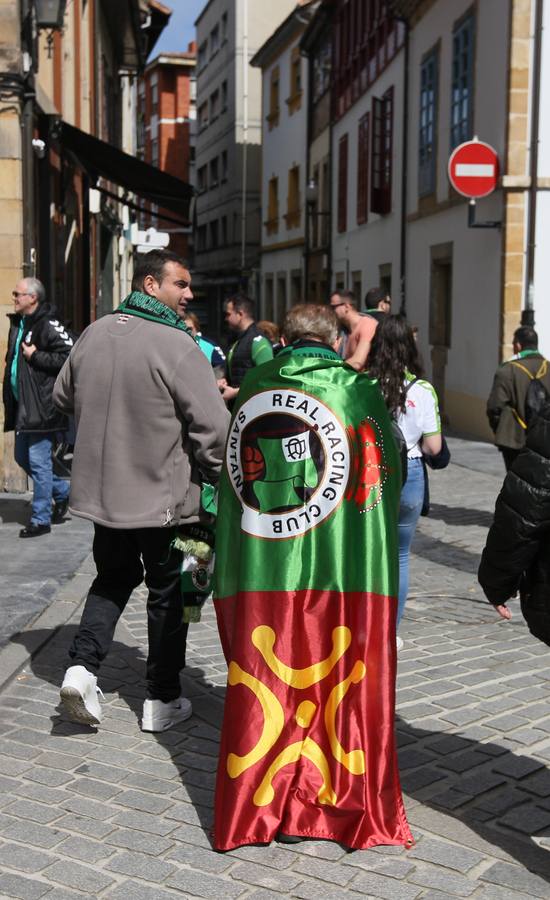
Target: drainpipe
x=404 y=170
x=245 y=135
x=27 y=130
x=528 y=312
x=308 y=210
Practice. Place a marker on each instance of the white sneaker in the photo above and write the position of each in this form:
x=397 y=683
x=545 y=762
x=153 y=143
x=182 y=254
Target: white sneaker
x=79 y=696
x=159 y=716
x=399 y=643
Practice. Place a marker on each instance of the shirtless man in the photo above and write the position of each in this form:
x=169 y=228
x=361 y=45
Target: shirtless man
x=361 y=328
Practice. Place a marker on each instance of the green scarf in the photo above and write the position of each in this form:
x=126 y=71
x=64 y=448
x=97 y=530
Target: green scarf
x=146 y=307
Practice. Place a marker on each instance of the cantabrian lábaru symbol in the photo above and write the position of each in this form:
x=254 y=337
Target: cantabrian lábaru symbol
x=369 y=469
x=319 y=717
x=291 y=461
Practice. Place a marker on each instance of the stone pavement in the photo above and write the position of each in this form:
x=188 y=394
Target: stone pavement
x=34 y=570
x=119 y=814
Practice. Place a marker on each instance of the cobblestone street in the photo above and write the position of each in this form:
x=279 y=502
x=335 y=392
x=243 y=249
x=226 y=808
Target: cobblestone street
x=116 y=813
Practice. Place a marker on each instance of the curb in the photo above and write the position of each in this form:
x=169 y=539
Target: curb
x=66 y=602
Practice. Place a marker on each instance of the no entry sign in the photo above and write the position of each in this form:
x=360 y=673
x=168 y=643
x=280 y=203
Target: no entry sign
x=473 y=169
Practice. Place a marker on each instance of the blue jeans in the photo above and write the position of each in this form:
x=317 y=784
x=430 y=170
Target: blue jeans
x=412 y=498
x=33 y=452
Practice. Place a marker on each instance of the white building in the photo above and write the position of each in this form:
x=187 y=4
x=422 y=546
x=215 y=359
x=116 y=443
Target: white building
x=367 y=149
x=227 y=240
x=403 y=99
x=284 y=168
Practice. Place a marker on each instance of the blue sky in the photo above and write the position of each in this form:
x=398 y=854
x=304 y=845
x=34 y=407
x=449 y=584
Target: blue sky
x=181 y=28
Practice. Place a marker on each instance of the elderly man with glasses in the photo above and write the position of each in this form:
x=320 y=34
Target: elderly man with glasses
x=38 y=345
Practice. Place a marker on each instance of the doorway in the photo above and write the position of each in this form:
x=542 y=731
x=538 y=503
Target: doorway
x=441 y=281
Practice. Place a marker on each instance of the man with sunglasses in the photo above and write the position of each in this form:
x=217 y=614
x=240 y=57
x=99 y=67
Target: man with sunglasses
x=358 y=328
x=38 y=345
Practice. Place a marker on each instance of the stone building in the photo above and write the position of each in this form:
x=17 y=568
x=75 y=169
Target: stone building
x=70 y=182
x=284 y=140
x=167 y=114
x=227 y=226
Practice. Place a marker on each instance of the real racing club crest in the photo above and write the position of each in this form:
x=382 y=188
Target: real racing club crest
x=288 y=460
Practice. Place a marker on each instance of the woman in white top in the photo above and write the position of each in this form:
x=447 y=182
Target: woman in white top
x=394 y=360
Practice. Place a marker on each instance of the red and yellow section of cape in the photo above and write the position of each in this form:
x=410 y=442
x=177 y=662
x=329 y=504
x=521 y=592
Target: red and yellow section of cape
x=308 y=740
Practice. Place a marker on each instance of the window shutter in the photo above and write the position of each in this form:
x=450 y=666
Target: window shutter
x=382 y=153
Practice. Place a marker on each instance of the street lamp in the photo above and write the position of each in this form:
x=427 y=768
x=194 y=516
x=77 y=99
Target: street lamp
x=312 y=192
x=50 y=14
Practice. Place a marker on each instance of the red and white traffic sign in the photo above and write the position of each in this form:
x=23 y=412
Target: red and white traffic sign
x=473 y=169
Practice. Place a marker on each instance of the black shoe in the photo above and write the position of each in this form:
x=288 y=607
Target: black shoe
x=34 y=530
x=60 y=511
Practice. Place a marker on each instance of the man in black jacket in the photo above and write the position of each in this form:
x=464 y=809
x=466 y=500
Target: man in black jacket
x=517 y=552
x=250 y=349
x=38 y=345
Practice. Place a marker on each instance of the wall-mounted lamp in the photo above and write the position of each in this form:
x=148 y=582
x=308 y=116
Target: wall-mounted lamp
x=49 y=16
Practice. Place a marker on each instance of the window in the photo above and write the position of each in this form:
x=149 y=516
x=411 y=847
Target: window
x=295 y=287
x=382 y=152
x=224 y=96
x=202 y=179
x=214 y=172
x=214 y=105
x=201 y=238
x=224 y=165
x=293 y=199
x=273 y=116
x=280 y=308
x=366 y=37
x=268 y=297
x=325 y=203
x=214 y=235
x=272 y=224
x=154 y=84
x=294 y=101
x=224 y=231
x=203 y=56
x=322 y=65
x=224 y=28
x=384 y=277
x=356 y=284
x=342 y=220
x=214 y=40
x=203 y=115
x=428 y=125
x=462 y=86
x=363 y=170
x=154 y=151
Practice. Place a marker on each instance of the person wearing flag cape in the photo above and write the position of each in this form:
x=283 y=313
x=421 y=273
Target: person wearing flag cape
x=305 y=596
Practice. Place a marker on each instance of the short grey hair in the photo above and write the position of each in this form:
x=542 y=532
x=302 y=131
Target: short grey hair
x=311 y=320
x=34 y=286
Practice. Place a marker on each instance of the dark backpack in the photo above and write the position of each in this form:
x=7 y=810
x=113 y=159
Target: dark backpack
x=399 y=439
x=537 y=395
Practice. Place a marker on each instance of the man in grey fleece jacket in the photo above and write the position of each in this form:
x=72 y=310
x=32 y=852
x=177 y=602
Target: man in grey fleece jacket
x=151 y=428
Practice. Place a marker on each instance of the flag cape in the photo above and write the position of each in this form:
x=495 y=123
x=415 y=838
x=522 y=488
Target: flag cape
x=306 y=584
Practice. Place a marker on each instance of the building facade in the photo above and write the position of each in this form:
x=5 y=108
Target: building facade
x=167 y=121
x=367 y=146
x=284 y=169
x=228 y=154
x=68 y=100
x=410 y=80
